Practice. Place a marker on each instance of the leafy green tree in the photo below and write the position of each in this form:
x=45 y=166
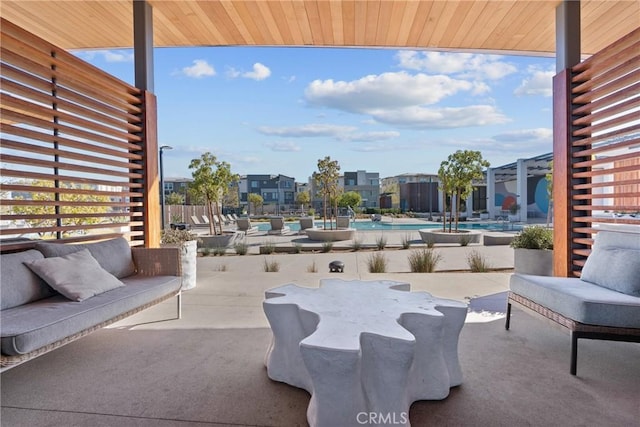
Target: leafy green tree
x=175 y=199
x=303 y=198
x=232 y=198
x=326 y=179
x=49 y=209
x=446 y=186
x=458 y=173
x=211 y=182
x=549 y=178
x=255 y=200
x=350 y=199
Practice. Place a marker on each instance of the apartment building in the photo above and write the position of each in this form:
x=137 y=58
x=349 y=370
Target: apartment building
x=277 y=191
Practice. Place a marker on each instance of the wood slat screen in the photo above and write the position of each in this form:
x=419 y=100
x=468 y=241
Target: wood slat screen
x=604 y=148
x=72 y=147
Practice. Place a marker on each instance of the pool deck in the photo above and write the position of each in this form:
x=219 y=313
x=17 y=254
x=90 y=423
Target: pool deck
x=367 y=239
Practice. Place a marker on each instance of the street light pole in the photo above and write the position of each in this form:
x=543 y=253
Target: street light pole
x=430 y=199
x=278 y=197
x=162 y=148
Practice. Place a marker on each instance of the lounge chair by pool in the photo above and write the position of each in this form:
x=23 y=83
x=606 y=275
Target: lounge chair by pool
x=278 y=226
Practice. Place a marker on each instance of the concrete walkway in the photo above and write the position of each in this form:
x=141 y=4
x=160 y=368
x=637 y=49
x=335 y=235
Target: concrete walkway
x=230 y=288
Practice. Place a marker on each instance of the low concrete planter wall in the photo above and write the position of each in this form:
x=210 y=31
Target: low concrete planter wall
x=436 y=236
x=222 y=241
x=533 y=261
x=322 y=235
x=492 y=239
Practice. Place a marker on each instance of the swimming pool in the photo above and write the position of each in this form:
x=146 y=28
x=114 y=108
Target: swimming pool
x=382 y=226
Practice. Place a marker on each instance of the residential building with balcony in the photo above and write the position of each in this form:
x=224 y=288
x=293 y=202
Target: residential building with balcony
x=277 y=191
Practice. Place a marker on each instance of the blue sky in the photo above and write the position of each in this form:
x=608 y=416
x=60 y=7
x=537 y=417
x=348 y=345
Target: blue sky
x=279 y=110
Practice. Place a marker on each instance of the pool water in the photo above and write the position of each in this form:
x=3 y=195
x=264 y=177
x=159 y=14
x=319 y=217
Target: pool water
x=373 y=226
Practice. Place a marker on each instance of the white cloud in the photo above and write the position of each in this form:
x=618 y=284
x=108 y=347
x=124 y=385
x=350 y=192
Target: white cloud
x=117 y=56
x=401 y=99
x=283 y=146
x=107 y=55
x=199 y=69
x=260 y=72
x=232 y=73
x=529 y=135
x=538 y=82
x=439 y=118
x=384 y=91
x=475 y=66
x=370 y=136
x=517 y=144
x=306 y=131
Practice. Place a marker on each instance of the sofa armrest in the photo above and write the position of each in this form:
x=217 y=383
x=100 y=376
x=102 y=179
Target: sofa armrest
x=157 y=261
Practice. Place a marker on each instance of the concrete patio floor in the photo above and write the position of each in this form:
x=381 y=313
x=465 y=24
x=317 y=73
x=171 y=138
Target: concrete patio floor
x=207 y=368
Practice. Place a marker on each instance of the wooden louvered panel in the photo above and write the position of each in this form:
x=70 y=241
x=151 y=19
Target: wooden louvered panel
x=605 y=113
x=47 y=113
x=603 y=151
x=61 y=141
x=608 y=136
x=73 y=147
x=66 y=178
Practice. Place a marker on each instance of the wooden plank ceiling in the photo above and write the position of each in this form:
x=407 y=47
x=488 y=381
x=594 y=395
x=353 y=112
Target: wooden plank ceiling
x=481 y=25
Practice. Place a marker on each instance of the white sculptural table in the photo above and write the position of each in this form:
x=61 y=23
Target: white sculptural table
x=365 y=351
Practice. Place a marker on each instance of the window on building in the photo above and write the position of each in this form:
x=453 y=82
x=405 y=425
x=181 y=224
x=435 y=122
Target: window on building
x=255 y=184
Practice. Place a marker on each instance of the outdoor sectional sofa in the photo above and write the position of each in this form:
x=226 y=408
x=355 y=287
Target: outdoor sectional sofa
x=87 y=287
x=604 y=303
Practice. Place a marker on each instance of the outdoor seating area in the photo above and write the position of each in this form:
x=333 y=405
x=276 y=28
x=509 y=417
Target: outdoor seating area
x=56 y=293
x=213 y=358
x=604 y=303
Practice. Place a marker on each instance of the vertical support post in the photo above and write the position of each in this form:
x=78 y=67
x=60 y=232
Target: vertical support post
x=562 y=234
x=567 y=34
x=162 y=218
x=521 y=188
x=567 y=55
x=143 y=62
x=491 y=192
x=143 y=44
x=151 y=187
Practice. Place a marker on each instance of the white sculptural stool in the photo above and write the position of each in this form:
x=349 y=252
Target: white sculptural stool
x=364 y=350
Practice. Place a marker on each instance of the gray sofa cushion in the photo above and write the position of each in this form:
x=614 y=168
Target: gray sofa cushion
x=579 y=300
x=617 y=239
x=113 y=255
x=18 y=284
x=614 y=268
x=29 y=327
x=77 y=276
